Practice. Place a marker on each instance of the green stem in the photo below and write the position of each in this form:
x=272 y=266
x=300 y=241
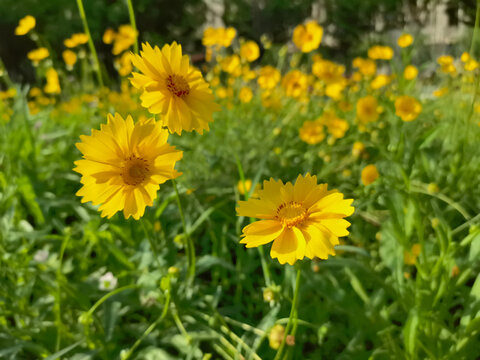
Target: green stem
x=151 y=242
x=261 y=252
x=292 y=319
x=90 y=43
x=149 y=329
x=190 y=247
x=131 y=14
x=107 y=296
x=58 y=312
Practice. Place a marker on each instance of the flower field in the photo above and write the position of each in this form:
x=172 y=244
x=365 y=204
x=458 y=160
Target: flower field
x=260 y=201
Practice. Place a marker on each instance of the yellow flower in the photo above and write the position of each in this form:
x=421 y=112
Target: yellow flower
x=312 y=132
x=25 y=25
x=250 y=51
x=218 y=37
x=440 y=92
x=410 y=257
x=328 y=71
x=358 y=148
x=268 y=77
x=125 y=38
x=75 y=40
x=379 y=52
x=335 y=126
x=380 y=81
x=275 y=336
x=335 y=90
x=53 y=85
x=244 y=188
x=70 y=58
x=446 y=64
x=308 y=37
x=231 y=64
x=124 y=163
x=108 y=36
x=366 y=67
x=471 y=65
x=410 y=72
x=124 y=64
x=367 y=109
x=173 y=88
x=245 y=94
x=405 y=40
x=295 y=83
x=407 y=108
x=369 y=174
x=38 y=54
x=465 y=57
x=304 y=219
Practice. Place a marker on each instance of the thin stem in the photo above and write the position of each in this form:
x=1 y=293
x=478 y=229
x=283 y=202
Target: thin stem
x=58 y=312
x=90 y=43
x=292 y=319
x=151 y=242
x=131 y=14
x=261 y=252
x=190 y=247
x=107 y=296
x=150 y=328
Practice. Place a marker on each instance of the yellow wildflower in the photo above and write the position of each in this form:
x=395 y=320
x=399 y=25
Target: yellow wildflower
x=295 y=83
x=38 y=55
x=312 y=132
x=249 y=51
x=302 y=220
x=369 y=174
x=75 y=40
x=25 y=25
x=407 y=108
x=405 y=40
x=268 y=77
x=70 y=58
x=308 y=37
x=410 y=72
x=53 y=84
x=379 y=52
x=245 y=94
x=367 y=109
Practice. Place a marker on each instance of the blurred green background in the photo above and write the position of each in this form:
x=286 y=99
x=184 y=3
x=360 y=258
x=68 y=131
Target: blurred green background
x=346 y=22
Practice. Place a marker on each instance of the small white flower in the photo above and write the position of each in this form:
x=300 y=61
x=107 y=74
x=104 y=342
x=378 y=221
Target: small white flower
x=107 y=282
x=41 y=256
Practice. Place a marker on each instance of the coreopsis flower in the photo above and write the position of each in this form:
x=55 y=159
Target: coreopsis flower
x=335 y=90
x=328 y=71
x=302 y=220
x=173 y=88
x=308 y=37
x=410 y=72
x=367 y=109
x=249 y=51
x=109 y=36
x=245 y=95
x=107 y=281
x=123 y=64
x=379 y=52
x=471 y=65
x=220 y=37
x=369 y=174
x=465 y=57
x=295 y=83
x=446 y=64
x=405 y=40
x=38 y=55
x=123 y=165
x=275 y=336
x=231 y=65
x=335 y=126
x=75 y=40
x=125 y=38
x=244 y=187
x=268 y=77
x=53 y=84
x=358 y=148
x=25 y=25
x=70 y=58
x=366 y=67
x=380 y=81
x=312 y=132
x=407 y=108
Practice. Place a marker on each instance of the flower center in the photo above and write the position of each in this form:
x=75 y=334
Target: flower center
x=177 y=85
x=135 y=170
x=292 y=213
